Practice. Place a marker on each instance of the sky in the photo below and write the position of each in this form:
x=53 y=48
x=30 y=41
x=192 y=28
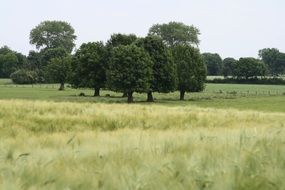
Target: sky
x=231 y=28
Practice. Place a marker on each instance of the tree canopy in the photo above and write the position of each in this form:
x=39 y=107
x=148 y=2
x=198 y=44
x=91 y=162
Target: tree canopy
x=130 y=70
x=10 y=61
x=249 y=67
x=163 y=70
x=89 y=66
x=53 y=34
x=121 y=39
x=191 y=69
x=214 y=63
x=229 y=65
x=59 y=70
x=274 y=60
x=176 y=33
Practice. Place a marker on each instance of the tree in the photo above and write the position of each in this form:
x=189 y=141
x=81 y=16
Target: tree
x=281 y=63
x=272 y=57
x=8 y=64
x=118 y=40
x=228 y=66
x=129 y=70
x=48 y=54
x=121 y=39
x=59 y=70
x=249 y=67
x=191 y=69
x=4 y=50
x=176 y=33
x=53 y=34
x=214 y=63
x=89 y=66
x=23 y=76
x=163 y=70
x=34 y=60
x=10 y=61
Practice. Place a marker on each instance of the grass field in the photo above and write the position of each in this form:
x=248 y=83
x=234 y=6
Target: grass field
x=268 y=98
x=61 y=145
x=227 y=137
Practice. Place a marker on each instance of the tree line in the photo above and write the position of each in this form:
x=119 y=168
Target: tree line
x=166 y=60
x=271 y=62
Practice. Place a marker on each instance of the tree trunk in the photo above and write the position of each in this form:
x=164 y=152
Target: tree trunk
x=61 y=86
x=130 y=97
x=150 y=97
x=125 y=95
x=97 y=92
x=182 y=94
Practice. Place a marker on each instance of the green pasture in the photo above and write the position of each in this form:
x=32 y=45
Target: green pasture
x=270 y=98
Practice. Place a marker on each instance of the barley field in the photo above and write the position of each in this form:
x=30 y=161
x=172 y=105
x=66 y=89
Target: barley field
x=64 y=145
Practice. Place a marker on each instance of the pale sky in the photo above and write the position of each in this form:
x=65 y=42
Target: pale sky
x=232 y=28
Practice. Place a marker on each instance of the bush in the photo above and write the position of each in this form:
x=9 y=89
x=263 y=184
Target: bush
x=269 y=81
x=23 y=76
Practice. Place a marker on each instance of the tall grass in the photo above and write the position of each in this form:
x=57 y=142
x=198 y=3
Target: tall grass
x=46 y=145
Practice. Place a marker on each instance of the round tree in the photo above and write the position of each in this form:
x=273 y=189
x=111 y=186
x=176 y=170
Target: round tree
x=129 y=70
x=176 y=33
x=89 y=66
x=191 y=69
x=53 y=34
x=118 y=40
x=163 y=70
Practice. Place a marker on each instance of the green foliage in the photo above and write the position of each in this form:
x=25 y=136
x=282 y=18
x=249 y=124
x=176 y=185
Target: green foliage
x=248 y=68
x=53 y=34
x=89 y=66
x=9 y=64
x=280 y=64
x=121 y=39
x=35 y=63
x=176 y=33
x=59 y=69
x=130 y=70
x=214 y=63
x=274 y=60
x=10 y=61
x=164 y=70
x=34 y=60
x=24 y=76
x=267 y=81
x=48 y=54
x=191 y=69
x=229 y=65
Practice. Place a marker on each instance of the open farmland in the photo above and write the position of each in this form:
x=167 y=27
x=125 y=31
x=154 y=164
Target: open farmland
x=142 y=95
x=227 y=137
x=268 y=98
x=49 y=145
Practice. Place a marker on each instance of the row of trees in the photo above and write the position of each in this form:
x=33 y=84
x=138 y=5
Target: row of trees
x=270 y=62
x=164 y=61
x=167 y=59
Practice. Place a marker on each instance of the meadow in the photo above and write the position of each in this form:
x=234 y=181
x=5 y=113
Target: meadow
x=268 y=98
x=228 y=137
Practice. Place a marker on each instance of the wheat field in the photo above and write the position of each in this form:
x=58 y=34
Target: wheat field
x=48 y=145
